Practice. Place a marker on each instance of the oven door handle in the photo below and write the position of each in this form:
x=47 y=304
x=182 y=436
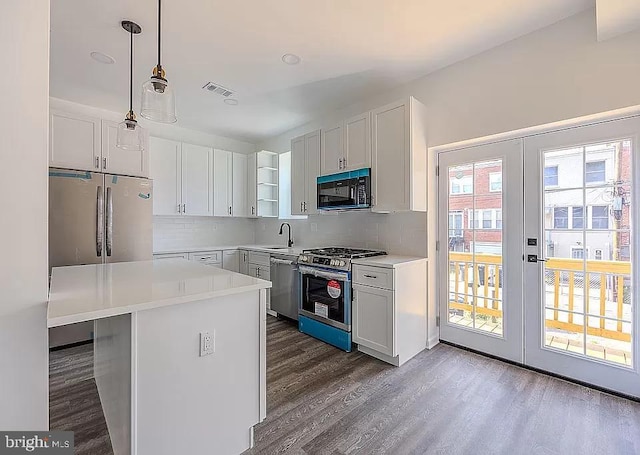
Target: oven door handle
x=339 y=276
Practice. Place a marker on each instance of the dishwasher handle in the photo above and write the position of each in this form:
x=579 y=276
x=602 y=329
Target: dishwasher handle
x=282 y=261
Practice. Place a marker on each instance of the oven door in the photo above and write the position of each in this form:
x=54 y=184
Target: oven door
x=326 y=296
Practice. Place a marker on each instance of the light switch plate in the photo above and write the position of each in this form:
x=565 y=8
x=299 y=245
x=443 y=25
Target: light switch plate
x=207 y=343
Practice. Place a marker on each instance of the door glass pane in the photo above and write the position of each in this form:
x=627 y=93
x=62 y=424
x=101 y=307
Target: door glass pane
x=475 y=246
x=587 y=277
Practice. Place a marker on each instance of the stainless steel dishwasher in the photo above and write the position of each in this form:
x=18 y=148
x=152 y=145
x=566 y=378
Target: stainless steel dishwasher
x=285 y=291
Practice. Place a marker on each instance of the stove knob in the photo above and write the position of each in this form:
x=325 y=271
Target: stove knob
x=332 y=262
x=342 y=263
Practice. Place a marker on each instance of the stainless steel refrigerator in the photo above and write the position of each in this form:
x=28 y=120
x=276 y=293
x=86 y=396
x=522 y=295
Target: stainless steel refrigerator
x=96 y=218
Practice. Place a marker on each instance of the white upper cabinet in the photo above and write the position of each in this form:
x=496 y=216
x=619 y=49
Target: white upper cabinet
x=305 y=168
x=87 y=143
x=197 y=180
x=240 y=185
x=124 y=162
x=312 y=163
x=347 y=145
x=74 y=141
x=165 y=168
x=298 y=175
x=222 y=183
x=332 y=153
x=252 y=185
x=399 y=157
x=357 y=142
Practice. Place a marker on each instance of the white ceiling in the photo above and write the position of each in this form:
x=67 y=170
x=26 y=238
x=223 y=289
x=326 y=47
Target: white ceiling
x=349 y=48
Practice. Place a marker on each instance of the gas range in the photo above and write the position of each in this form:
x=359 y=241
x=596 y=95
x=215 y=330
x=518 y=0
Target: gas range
x=338 y=258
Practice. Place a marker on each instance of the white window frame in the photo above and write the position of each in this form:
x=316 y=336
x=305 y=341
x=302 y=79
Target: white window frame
x=456 y=213
x=590 y=210
x=604 y=172
x=476 y=219
x=585 y=251
x=544 y=177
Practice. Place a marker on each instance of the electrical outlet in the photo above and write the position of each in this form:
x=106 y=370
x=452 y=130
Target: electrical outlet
x=207 y=343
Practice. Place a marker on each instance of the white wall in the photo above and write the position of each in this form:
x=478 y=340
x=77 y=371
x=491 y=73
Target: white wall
x=24 y=46
x=192 y=231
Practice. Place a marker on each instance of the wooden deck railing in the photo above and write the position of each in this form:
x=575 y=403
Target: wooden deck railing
x=480 y=288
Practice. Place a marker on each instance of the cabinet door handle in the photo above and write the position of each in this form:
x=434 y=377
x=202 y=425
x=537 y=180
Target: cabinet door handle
x=104 y=163
x=253 y=210
x=179 y=208
x=97 y=162
x=184 y=208
x=229 y=210
x=344 y=162
x=301 y=206
x=305 y=206
x=340 y=163
x=370 y=276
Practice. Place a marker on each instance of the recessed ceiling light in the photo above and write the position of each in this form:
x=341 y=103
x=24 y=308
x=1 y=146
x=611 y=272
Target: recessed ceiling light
x=231 y=101
x=291 y=59
x=102 y=58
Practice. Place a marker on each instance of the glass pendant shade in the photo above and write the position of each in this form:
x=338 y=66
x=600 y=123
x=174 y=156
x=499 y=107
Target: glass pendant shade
x=158 y=101
x=130 y=136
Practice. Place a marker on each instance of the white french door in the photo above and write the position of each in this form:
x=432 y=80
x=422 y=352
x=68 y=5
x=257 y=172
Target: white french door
x=480 y=234
x=580 y=246
x=538 y=252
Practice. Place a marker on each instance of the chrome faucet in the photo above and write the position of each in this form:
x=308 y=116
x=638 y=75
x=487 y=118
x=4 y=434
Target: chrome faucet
x=290 y=242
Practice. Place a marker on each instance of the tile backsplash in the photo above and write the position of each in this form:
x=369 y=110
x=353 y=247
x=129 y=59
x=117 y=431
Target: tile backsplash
x=397 y=233
x=177 y=232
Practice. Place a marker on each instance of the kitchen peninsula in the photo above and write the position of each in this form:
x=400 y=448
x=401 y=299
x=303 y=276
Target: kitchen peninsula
x=179 y=348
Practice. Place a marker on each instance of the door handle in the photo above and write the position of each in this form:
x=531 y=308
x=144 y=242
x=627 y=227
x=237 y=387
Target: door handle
x=340 y=163
x=305 y=206
x=109 y=221
x=97 y=162
x=179 y=208
x=534 y=258
x=99 y=222
x=370 y=276
x=301 y=206
x=104 y=163
x=344 y=163
x=229 y=210
x=184 y=208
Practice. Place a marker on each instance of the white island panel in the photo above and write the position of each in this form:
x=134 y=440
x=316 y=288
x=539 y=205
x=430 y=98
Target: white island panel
x=218 y=394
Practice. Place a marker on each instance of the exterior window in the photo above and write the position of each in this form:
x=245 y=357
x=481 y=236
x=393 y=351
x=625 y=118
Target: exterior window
x=577 y=252
x=495 y=181
x=577 y=220
x=598 y=255
x=600 y=217
x=595 y=172
x=463 y=185
x=560 y=217
x=551 y=176
x=455 y=224
x=486 y=219
x=498 y=219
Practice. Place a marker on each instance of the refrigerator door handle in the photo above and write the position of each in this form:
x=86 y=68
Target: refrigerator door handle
x=99 y=221
x=109 y=212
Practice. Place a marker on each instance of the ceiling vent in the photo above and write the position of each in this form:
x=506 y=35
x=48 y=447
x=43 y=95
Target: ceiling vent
x=217 y=89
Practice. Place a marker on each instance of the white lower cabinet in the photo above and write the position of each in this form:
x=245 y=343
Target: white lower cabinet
x=212 y=258
x=374 y=318
x=389 y=311
x=231 y=260
x=171 y=256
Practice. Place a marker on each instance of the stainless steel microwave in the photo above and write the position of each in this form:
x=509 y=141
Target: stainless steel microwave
x=346 y=190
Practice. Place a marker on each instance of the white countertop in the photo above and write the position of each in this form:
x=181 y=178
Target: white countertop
x=295 y=251
x=86 y=292
x=388 y=261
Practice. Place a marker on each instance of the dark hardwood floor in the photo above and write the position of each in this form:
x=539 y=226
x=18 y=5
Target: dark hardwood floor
x=74 y=404
x=321 y=400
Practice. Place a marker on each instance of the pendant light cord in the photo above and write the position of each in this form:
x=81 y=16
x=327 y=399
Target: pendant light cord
x=159 y=24
x=131 y=75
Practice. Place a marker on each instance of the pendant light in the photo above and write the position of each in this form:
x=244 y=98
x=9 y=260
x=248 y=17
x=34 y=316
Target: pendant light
x=158 y=99
x=130 y=134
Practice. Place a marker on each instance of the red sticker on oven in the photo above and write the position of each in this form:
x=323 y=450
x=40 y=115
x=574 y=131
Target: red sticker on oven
x=333 y=288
